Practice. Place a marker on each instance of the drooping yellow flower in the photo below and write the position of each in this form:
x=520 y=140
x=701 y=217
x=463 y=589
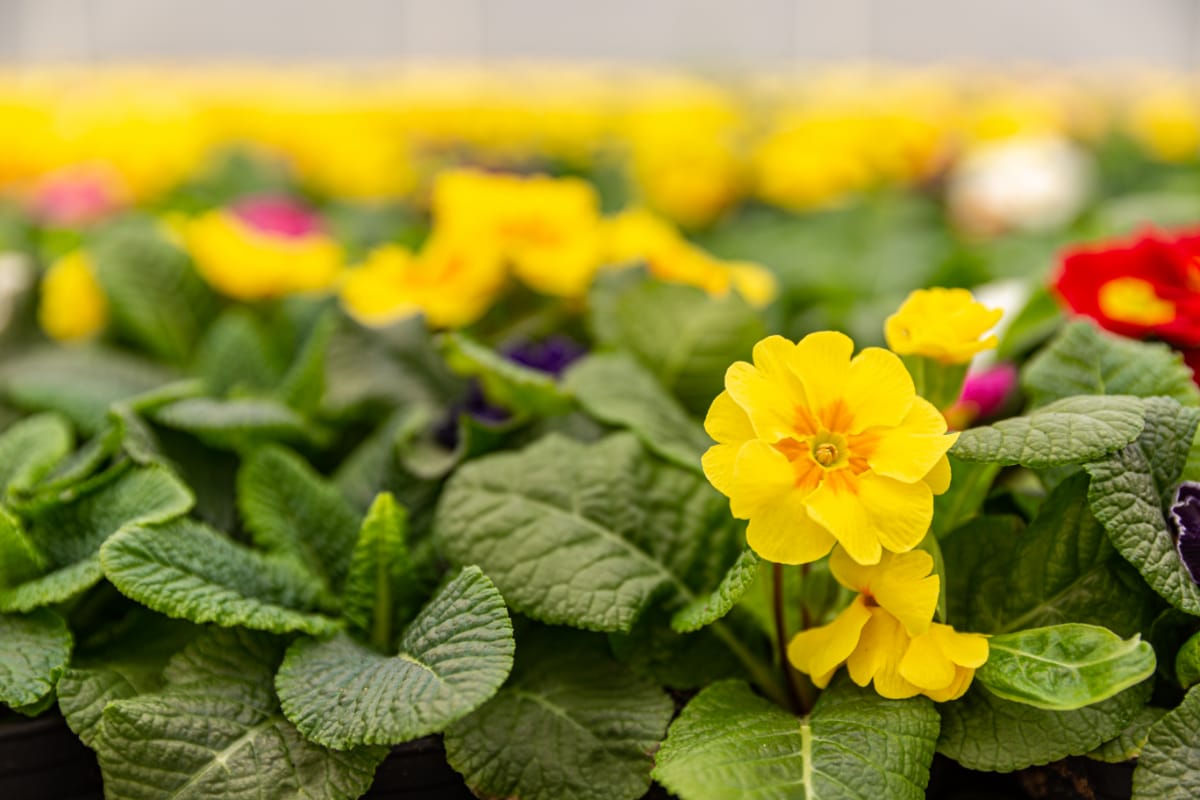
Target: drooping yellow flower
x=887 y=636
x=451 y=282
x=638 y=236
x=72 y=305
x=815 y=447
x=254 y=254
x=942 y=324
x=548 y=229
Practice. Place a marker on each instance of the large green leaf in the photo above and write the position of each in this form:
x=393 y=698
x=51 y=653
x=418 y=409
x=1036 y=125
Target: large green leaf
x=983 y=732
x=34 y=650
x=291 y=510
x=30 y=448
x=1128 y=745
x=381 y=587
x=615 y=389
x=506 y=383
x=730 y=744
x=238 y=423
x=215 y=730
x=236 y=354
x=53 y=587
x=1064 y=667
x=188 y=571
x=1169 y=765
x=1127 y=495
x=452 y=658
x=303 y=386
x=571 y=724
x=20 y=560
x=584 y=534
x=706 y=610
x=1074 y=430
x=1082 y=359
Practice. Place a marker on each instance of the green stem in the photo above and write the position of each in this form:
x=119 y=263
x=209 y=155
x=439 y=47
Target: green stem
x=799 y=700
x=762 y=675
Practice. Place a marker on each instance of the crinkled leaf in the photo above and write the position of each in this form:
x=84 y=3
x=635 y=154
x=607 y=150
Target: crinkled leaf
x=615 y=389
x=1129 y=743
x=1129 y=489
x=730 y=744
x=1168 y=767
x=291 y=510
x=303 y=387
x=30 y=448
x=237 y=423
x=20 y=560
x=706 y=610
x=1070 y=431
x=215 y=730
x=236 y=354
x=571 y=724
x=983 y=732
x=506 y=383
x=452 y=658
x=53 y=587
x=1064 y=667
x=34 y=651
x=381 y=589
x=188 y=571
x=1083 y=360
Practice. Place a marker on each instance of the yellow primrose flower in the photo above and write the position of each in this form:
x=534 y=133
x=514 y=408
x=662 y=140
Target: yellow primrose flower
x=452 y=283
x=261 y=251
x=815 y=447
x=886 y=635
x=72 y=306
x=637 y=235
x=942 y=324
x=547 y=228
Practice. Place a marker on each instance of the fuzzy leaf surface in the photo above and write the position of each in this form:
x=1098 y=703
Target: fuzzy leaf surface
x=1168 y=767
x=34 y=651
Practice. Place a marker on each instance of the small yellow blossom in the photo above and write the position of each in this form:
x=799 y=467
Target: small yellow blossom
x=548 y=229
x=452 y=283
x=815 y=447
x=942 y=324
x=73 y=306
x=886 y=635
x=247 y=263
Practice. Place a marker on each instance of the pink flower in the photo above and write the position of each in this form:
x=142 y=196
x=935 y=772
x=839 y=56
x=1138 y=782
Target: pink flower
x=983 y=395
x=277 y=216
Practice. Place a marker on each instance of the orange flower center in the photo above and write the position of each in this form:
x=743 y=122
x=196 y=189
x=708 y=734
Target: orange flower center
x=825 y=454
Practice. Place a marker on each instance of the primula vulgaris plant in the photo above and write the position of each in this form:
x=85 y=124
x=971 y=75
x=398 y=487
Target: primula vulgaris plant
x=258 y=544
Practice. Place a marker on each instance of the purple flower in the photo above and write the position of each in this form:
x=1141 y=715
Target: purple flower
x=551 y=355
x=1185 y=514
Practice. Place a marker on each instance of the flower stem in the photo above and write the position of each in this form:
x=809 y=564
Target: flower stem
x=798 y=697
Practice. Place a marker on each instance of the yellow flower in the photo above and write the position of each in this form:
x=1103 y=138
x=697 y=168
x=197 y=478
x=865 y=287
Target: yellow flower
x=636 y=235
x=942 y=324
x=452 y=283
x=814 y=447
x=249 y=261
x=887 y=635
x=73 y=306
x=547 y=228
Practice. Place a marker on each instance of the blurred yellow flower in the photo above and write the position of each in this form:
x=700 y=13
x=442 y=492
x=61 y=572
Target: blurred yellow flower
x=638 y=236
x=1166 y=121
x=451 y=282
x=815 y=447
x=887 y=634
x=548 y=229
x=72 y=306
x=262 y=250
x=942 y=324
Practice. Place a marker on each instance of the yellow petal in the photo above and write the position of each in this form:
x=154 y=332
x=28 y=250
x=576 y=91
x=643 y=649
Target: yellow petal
x=820 y=651
x=726 y=421
x=938 y=479
x=821 y=360
x=770 y=406
x=760 y=474
x=718 y=462
x=881 y=645
x=964 y=649
x=773 y=356
x=754 y=283
x=839 y=511
x=957 y=688
x=878 y=389
x=850 y=573
x=897 y=513
x=780 y=530
x=900 y=583
x=925 y=665
x=910 y=450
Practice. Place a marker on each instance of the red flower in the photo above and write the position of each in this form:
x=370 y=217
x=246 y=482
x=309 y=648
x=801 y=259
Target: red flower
x=1150 y=287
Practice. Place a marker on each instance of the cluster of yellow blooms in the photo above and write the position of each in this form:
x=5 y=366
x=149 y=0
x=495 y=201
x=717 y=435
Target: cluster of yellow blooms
x=823 y=450
x=692 y=147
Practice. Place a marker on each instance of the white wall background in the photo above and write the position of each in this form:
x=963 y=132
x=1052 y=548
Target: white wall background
x=694 y=32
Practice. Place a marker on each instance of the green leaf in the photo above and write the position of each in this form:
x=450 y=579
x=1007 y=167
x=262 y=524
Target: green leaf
x=506 y=383
x=1127 y=495
x=20 y=561
x=730 y=744
x=1129 y=743
x=453 y=657
x=215 y=730
x=53 y=587
x=969 y=487
x=380 y=587
x=682 y=335
x=236 y=355
x=1064 y=667
x=34 y=651
x=1168 y=767
x=983 y=732
x=1070 y=431
x=583 y=534
x=30 y=448
x=188 y=571
x=236 y=424
x=704 y=611
x=1082 y=359
x=571 y=724
x=1035 y=323
x=303 y=387
x=291 y=510
x=615 y=389
x=1187 y=662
